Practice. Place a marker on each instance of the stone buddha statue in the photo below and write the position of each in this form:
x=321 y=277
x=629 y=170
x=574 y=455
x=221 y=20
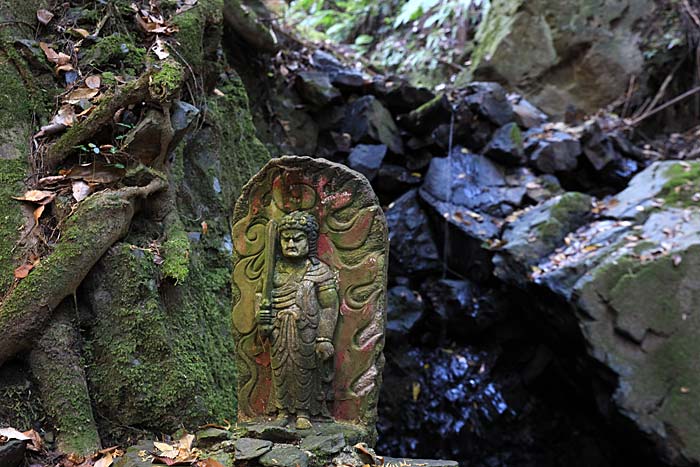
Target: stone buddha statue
x=299 y=317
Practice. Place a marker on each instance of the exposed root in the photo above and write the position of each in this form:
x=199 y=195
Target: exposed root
x=99 y=222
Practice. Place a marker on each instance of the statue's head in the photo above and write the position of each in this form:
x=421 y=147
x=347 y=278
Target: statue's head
x=298 y=235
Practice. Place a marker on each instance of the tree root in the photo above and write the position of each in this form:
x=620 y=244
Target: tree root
x=56 y=363
x=157 y=84
x=99 y=222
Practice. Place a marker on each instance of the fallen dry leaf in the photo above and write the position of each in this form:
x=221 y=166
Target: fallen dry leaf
x=162 y=447
x=11 y=433
x=59 y=58
x=105 y=461
x=186 y=442
x=77 y=95
x=20 y=273
x=81 y=190
x=65 y=116
x=36 y=196
x=37 y=213
x=65 y=68
x=160 y=49
x=36 y=443
x=44 y=16
x=93 y=82
x=81 y=32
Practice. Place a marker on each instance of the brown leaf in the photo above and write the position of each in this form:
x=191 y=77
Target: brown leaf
x=65 y=116
x=37 y=196
x=37 y=214
x=36 y=442
x=81 y=190
x=186 y=442
x=44 y=16
x=65 y=68
x=105 y=461
x=59 y=58
x=81 y=32
x=20 y=273
x=93 y=82
x=77 y=95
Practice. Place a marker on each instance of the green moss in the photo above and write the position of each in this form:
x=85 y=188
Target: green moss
x=683 y=182
x=115 y=49
x=199 y=32
x=160 y=356
x=167 y=80
x=176 y=252
x=564 y=216
x=241 y=153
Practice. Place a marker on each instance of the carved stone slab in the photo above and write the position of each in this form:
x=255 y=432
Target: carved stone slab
x=352 y=243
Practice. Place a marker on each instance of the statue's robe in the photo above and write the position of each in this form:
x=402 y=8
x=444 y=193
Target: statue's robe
x=298 y=377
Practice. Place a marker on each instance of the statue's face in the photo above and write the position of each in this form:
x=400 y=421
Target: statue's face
x=294 y=243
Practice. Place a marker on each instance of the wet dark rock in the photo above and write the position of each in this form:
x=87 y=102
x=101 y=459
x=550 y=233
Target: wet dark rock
x=418 y=160
x=489 y=100
x=464 y=310
x=251 y=448
x=211 y=436
x=404 y=309
x=277 y=434
x=367 y=120
x=552 y=151
x=419 y=462
x=330 y=118
x=12 y=453
x=428 y=116
x=367 y=158
x=413 y=250
x=399 y=95
x=315 y=88
x=285 y=455
x=294 y=128
x=439 y=401
x=182 y=115
x=347 y=79
x=526 y=115
x=324 y=61
x=537 y=232
x=506 y=146
x=324 y=445
x=393 y=180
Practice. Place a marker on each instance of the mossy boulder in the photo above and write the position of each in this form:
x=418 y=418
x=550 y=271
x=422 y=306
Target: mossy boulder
x=629 y=280
x=563 y=53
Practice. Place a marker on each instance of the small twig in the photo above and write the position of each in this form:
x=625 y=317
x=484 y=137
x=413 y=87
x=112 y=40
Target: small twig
x=665 y=105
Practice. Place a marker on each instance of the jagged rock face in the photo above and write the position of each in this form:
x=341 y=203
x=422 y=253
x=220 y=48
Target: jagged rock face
x=631 y=277
x=562 y=53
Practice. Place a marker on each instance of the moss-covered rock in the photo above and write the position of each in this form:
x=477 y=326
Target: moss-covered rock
x=563 y=53
x=631 y=280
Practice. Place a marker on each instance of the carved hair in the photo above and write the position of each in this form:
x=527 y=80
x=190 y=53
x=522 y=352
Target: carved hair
x=307 y=223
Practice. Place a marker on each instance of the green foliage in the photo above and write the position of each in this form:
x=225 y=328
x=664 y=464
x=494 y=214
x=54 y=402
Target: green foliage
x=400 y=35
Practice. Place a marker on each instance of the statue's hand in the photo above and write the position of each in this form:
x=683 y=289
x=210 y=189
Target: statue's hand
x=324 y=350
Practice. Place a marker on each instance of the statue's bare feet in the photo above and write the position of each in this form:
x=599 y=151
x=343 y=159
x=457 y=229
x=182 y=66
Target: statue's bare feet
x=282 y=419
x=303 y=423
